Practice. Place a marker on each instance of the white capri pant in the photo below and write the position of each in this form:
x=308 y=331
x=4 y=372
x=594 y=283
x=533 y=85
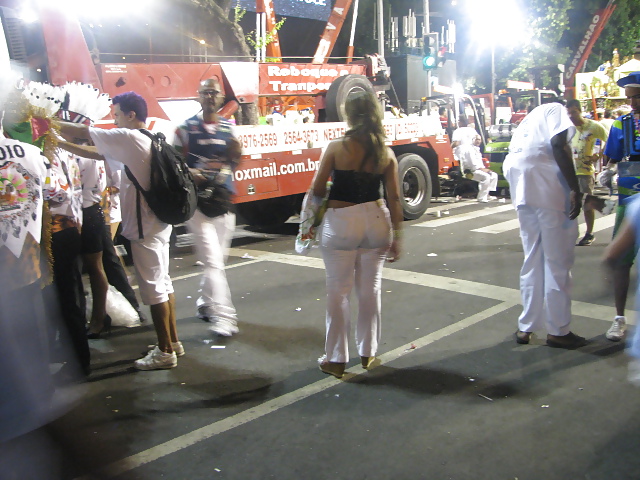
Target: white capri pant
x=354 y=245
x=487 y=182
x=212 y=238
x=151 y=262
x=548 y=240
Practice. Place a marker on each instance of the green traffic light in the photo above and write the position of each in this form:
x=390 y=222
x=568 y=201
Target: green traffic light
x=429 y=62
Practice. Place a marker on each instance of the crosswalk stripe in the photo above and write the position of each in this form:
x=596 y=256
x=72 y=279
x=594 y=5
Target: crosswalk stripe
x=450 y=206
x=464 y=216
x=467 y=287
x=499 y=227
x=602 y=223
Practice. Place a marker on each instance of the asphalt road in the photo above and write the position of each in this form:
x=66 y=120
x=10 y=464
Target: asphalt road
x=453 y=396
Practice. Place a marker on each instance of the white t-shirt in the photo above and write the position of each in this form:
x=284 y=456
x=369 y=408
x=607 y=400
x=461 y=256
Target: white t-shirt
x=464 y=135
x=94 y=180
x=530 y=168
x=24 y=177
x=133 y=149
x=469 y=157
x=67 y=200
x=114 y=179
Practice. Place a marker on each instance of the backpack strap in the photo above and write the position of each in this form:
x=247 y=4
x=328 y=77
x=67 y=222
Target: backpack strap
x=137 y=185
x=138 y=209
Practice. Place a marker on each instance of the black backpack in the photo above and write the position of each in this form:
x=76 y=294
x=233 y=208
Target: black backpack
x=172 y=194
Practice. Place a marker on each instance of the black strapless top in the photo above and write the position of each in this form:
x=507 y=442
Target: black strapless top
x=355 y=187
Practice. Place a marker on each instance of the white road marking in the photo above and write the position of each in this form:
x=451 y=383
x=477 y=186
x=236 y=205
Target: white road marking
x=499 y=227
x=188 y=439
x=466 y=287
x=601 y=223
x=197 y=274
x=508 y=298
x=463 y=216
x=450 y=206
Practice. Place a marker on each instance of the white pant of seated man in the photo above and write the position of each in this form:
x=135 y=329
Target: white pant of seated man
x=487 y=182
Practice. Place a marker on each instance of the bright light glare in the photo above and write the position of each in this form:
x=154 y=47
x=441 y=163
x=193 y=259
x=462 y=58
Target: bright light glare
x=497 y=21
x=201 y=42
x=28 y=14
x=102 y=8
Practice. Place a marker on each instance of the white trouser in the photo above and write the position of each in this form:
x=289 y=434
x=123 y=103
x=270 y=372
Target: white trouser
x=354 y=244
x=212 y=238
x=151 y=263
x=487 y=182
x=548 y=240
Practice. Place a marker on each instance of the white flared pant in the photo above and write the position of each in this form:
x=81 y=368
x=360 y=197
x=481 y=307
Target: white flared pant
x=354 y=244
x=548 y=239
x=487 y=182
x=212 y=238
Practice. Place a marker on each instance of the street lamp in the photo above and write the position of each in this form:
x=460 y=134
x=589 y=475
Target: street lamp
x=492 y=20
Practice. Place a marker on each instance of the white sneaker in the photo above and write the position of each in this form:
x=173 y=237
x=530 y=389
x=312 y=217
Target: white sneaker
x=634 y=371
x=177 y=348
x=156 y=359
x=617 y=329
x=224 y=328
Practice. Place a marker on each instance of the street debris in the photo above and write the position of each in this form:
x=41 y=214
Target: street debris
x=199 y=264
x=218 y=346
x=544 y=406
x=432 y=254
x=298 y=309
x=485 y=397
x=246 y=255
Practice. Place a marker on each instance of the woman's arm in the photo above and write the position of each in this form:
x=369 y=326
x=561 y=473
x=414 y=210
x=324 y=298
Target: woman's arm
x=319 y=184
x=393 y=201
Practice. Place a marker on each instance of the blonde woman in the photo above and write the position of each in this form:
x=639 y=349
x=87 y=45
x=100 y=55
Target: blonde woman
x=359 y=231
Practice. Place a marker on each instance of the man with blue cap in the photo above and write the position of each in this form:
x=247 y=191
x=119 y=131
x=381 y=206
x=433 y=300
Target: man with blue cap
x=615 y=152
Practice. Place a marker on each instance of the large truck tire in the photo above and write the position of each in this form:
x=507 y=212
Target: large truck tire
x=338 y=93
x=269 y=212
x=415 y=185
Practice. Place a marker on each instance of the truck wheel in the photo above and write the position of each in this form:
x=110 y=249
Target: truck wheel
x=338 y=93
x=415 y=185
x=266 y=213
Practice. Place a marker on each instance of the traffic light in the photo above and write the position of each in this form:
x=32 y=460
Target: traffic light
x=430 y=51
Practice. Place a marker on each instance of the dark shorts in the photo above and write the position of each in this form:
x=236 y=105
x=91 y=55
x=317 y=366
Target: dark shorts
x=630 y=255
x=93 y=227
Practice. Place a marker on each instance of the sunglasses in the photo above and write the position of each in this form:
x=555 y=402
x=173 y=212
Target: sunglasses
x=209 y=93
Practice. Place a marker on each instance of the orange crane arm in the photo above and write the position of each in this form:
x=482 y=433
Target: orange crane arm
x=273 y=48
x=331 y=31
x=598 y=23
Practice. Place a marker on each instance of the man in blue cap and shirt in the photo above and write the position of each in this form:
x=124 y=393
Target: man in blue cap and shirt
x=614 y=152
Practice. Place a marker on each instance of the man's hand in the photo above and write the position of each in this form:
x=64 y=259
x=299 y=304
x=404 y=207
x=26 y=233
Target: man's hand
x=576 y=204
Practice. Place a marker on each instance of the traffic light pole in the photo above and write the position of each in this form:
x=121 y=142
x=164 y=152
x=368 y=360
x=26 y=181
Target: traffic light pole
x=380 y=29
x=426 y=29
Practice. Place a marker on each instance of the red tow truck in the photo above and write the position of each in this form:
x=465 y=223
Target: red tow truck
x=279 y=160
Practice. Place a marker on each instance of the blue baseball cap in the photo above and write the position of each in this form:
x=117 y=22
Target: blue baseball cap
x=631 y=80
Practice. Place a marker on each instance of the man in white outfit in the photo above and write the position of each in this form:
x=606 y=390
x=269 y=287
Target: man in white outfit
x=547 y=197
x=470 y=158
x=149 y=236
